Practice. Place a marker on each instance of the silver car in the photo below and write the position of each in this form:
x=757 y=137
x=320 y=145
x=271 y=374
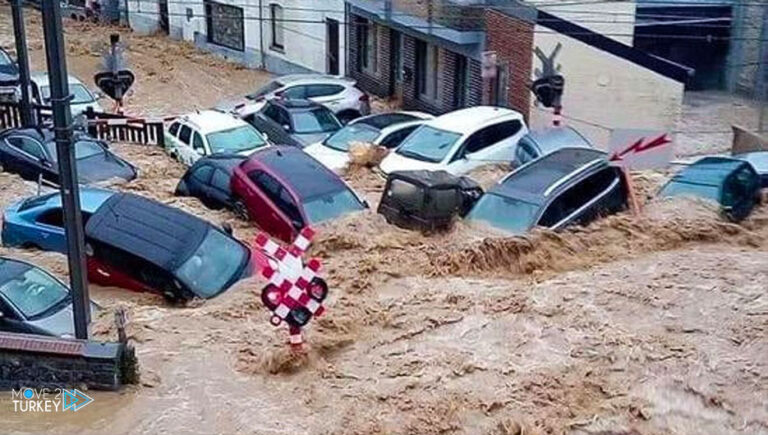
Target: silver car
x=33 y=301
x=82 y=96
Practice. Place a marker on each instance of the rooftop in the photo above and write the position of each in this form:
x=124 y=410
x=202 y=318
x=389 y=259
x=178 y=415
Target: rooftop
x=472 y=118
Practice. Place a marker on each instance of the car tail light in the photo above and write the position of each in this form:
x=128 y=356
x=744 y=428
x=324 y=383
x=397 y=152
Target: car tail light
x=364 y=98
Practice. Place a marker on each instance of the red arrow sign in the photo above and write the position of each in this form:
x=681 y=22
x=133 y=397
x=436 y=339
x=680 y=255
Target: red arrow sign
x=639 y=146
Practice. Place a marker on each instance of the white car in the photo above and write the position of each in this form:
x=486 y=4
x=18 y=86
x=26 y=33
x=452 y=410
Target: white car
x=82 y=97
x=338 y=94
x=211 y=132
x=460 y=141
x=385 y=129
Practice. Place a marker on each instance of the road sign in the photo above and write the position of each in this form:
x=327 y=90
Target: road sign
x=116 y=84
x=295 y=293
x=640 y=149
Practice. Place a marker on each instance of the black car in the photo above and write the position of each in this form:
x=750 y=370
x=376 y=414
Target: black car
x=9 y=77
x=33 y=301
x=143 y=244
x=294 y=122
x=730 y=182
x=31 y=152
x=568 y=186
x=208 y=180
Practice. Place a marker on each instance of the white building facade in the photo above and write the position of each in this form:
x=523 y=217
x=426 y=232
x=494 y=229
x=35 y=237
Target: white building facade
x=281 y=36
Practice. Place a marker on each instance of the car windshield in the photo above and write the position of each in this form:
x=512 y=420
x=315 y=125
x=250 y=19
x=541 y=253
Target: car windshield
x=332 y=205
x=351 y=133
x=34 y=292
x=428 y=143
x=235 y=140
x=264 y=90
x=508 y=214
x=681 y=188
x=80 y=95
x=317 y=120
x=213 y=265
x=83 y=149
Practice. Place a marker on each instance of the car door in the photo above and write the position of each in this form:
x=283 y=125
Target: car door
x=200 y=180
x=185 y=152
x=50 y=228
x=590 y=197
x=262 y=205
x=28 y=158
x=198 y=145
x=491 y=144
x=172 y=138
x=10 y=319
x=220 y=193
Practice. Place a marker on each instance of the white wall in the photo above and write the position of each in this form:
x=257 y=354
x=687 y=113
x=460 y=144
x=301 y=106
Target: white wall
x=144 y=16
x=608 y=90
x=615 y=19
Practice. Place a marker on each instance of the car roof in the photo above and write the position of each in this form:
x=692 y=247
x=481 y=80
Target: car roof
x=228 y=162
x=554 y=138
x=163 y=235
x=210 y=121
x=11 y=268
x=710 y=171
x=294 y=79
x=294 y=103
x=472 y=119
x=381 y=121
x=41 y=78
x=306 y=176
x=533 y=181
x=758 y=159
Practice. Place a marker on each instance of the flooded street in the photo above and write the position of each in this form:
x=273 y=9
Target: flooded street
x=651 y=324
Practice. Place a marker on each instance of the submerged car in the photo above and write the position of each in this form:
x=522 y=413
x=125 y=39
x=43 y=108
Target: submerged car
x=294 y=122
x=385 y=129
x=338 y=94
x=460 y=141
x=731 y=183
x=135 y=243
x=569 y=186
x=283 y=190
x=759 y=161
x=210 y=132
x=31 y=153
x=209 y=180
x=32 y=301
x=542 y=142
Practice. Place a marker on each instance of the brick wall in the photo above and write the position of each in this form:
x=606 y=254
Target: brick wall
x=378 y=83
x=512 y=40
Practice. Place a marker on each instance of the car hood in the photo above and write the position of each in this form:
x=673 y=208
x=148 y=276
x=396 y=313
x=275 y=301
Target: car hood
x=9 y=75
x=104 y=167
x=332 y=159
x=397 y=162
x=310 y=138
x=61 y=322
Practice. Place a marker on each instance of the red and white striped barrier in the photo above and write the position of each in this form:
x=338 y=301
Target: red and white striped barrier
x=295 y=291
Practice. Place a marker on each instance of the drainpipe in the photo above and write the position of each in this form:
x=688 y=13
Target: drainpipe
x=261 y=35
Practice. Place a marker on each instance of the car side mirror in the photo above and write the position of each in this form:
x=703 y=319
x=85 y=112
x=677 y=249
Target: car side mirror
x=226 y=227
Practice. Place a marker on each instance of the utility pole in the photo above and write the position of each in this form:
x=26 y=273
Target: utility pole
x=65 y=150
x=22 y=58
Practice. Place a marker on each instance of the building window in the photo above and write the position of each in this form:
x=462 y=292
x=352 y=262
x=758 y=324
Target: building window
x=428 y=71
x=276 y=22
x=367 y=45
x=225 y=25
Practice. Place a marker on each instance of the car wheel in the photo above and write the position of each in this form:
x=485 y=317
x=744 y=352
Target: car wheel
x=240 y=209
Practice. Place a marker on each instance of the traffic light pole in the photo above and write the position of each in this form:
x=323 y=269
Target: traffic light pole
x=70 y=197
x=22 y=59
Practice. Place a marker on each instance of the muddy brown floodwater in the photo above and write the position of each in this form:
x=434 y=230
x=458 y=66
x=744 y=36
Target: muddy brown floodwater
x=650 y=324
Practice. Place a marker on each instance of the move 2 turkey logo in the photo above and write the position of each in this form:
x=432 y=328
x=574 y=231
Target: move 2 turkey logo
x=48 y=400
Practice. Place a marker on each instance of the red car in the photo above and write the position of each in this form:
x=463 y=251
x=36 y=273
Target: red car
x=283 y=189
